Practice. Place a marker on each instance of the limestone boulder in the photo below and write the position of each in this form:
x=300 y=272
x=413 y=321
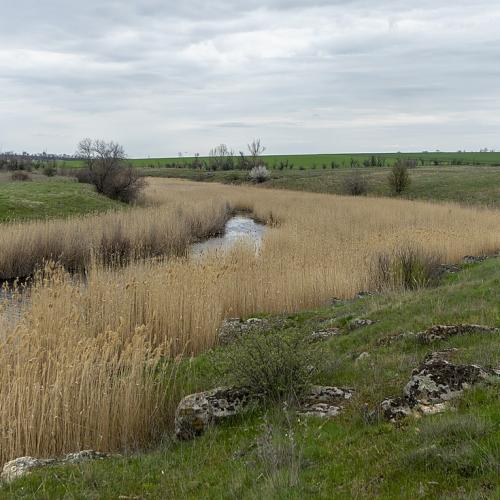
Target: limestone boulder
x=196 y=412
x=24 y=465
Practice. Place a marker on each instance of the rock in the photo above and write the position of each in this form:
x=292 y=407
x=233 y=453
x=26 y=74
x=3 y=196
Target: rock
x=234 y=328
x=321 y=410
x=395 y=409
x=437 y=380
x=197 y=412
x=84 y=456
x=23 y=465
x=360 y=323
x=474 y=259
x=449 y=268
x=432 y=385
x=362 y=356
x=443 y=332
x=324 y=334
x=324 y=401
x=384 y=341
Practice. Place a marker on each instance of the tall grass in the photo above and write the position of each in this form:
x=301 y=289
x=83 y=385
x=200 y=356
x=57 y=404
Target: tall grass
x=93 y=365
x=127 y=235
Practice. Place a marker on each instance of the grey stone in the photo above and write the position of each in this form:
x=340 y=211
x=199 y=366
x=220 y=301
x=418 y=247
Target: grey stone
x=325 y=334
x=360 y=323
x=196 y=412
x=362 y=356
x=449 y=268
x=324 y=401
x=443 y=332
x=233 y=329
x=432 y=385
x=21 y=466
x=474 y=259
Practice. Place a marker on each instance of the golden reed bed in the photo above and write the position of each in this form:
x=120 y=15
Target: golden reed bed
x=94 y=365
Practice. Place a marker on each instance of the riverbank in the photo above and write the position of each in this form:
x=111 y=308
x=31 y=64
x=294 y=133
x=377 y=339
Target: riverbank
x=269 y=453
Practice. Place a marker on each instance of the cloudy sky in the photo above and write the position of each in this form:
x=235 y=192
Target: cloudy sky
x=164 y=76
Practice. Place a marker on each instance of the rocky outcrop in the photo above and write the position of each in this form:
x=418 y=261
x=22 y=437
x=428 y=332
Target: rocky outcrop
x=360 y=323
x=197 y=412
x=435 y=382
x=325 y=334
x=443 y=332
x=21 y=466
x=324 y=401
x=474 y=259
x=449 y=268
x=233 y=329
x=389 y=340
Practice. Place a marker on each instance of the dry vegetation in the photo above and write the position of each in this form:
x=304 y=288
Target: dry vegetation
x=133 y=234
x=93 y=365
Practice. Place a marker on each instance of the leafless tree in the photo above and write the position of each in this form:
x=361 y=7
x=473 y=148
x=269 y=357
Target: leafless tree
x=107 y=171
x=221 y=158
x=256 y=150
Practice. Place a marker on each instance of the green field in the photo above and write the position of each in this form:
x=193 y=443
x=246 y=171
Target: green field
x=477 y=185
x=271 y=453
x=45 y=197
x=318 y=161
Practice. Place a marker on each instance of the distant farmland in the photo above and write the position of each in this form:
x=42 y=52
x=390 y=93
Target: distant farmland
x=332 y=160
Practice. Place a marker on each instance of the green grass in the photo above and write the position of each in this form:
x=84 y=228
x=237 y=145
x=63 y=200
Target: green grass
x=268 y=454
x=317 y=161
x=49 y=198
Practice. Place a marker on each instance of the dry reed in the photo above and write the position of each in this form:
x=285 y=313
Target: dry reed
x=92 y=365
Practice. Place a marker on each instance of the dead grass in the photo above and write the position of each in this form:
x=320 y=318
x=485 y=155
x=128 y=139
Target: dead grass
x=127 y=235
x=92 y=365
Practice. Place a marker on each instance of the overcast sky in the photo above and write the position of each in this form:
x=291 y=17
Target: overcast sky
x=306 y=76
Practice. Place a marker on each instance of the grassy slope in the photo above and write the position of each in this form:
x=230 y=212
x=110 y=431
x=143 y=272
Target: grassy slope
x=454 y=455
x=464 y=184
x=55 y=197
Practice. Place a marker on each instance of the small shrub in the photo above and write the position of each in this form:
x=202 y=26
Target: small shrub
x=399 y=177
x=407 y=268
x=279 y=454
x=259 y=174
x=20 y=175
x=355 y=184
x=272 y=367
x=83 y=175
x=49 y=170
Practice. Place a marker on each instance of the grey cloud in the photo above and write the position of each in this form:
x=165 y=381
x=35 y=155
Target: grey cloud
x=307 y=76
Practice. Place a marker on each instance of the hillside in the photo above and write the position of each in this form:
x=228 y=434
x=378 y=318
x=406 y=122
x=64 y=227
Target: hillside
x=273 y=453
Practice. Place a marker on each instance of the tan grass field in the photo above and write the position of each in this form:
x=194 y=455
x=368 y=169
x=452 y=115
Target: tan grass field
x=93 y=366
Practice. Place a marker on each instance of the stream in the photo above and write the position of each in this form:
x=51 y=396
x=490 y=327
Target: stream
x=237 y=228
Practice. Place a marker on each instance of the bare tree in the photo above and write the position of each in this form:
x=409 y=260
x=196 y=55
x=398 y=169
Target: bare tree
x=256 y=150
x=106 y=170
x=221 y=158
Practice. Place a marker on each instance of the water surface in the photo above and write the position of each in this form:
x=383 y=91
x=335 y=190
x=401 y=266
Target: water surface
x=237 y=228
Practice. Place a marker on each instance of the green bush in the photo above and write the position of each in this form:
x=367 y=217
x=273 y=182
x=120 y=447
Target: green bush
x=272 y=367
x=399 y=176
x=49 y=170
